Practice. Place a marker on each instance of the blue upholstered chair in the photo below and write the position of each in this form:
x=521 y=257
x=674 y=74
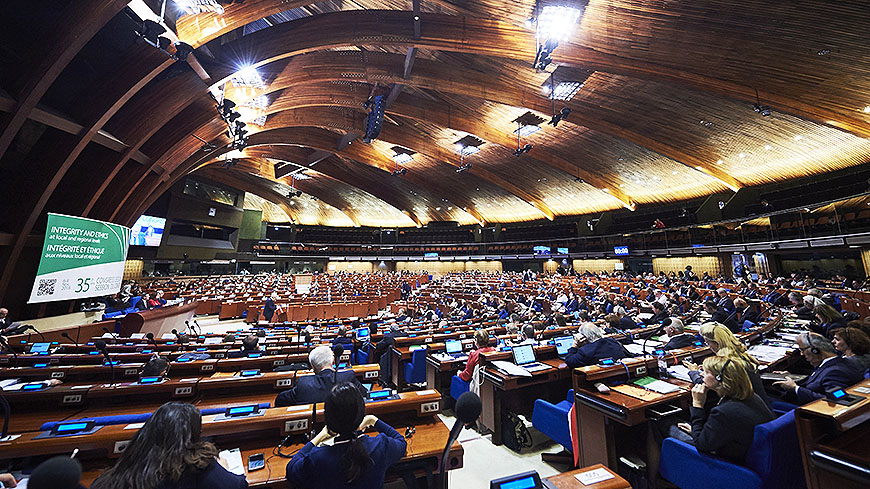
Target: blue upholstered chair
x=773 y=462
x=552 y=420
x=458 y=387
x=415 y=370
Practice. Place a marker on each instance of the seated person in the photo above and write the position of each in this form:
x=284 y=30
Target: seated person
x=482 y=344
x=719 y=315
x=142 y=305
x=354 y=460
x=723 y=343
x=526 y=337
x=830 y=371
x=745 y=312
x=156 y=367
x=678 y=338
x=725 y=429
x=343 y=339
x=167 y=453
x=854 y=344
x=659 y=314
x=827 y=318
x=249 y=346
x=590 y=346
x=315 y=388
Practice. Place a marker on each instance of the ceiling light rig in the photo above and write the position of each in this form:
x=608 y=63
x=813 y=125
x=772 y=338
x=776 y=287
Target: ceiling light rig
x=235 y=128
x=293 y=191
x=402 y=156
x=466 y=146
x=527 y=124
x=563 y=113
x=152 y=32
x=761 y=109
x=555 y=21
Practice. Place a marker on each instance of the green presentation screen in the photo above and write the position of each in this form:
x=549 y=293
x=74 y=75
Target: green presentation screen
x=80 y=258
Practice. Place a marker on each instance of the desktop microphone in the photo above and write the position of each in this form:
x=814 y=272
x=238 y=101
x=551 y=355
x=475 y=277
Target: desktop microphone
x=30 y=326
x=655 y=332
x=198 y=327
x=100 y=345
x=59 y=472
x=67 y=336
x=189 y=327
x=4 y=345
x=468 y=408
x=150 y=337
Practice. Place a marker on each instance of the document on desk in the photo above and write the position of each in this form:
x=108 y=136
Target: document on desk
x=511 y=368
x=593 y=476
x=679 y=372
x=659 y=386
x=767 y=354
x=233 y=458
x=636 y=392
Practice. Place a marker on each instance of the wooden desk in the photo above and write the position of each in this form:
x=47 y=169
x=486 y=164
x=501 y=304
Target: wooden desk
x=834 y=444
x=566 y=480
x=499 y=392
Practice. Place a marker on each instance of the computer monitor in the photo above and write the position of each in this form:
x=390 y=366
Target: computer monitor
x=39 y=348
x=523 y=354
x=362 y=333
x=453 y=346
x=562 y=344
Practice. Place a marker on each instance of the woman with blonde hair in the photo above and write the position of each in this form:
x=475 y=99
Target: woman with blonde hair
x=723 y=343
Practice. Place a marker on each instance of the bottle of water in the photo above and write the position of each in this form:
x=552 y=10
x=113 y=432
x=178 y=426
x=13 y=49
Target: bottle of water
x=663 y=365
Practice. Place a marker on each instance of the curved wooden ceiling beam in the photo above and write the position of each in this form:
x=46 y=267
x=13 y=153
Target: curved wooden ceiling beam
x=234 y=180
x=246 y=169
x=489 y=37
x=328 y=168
x=449 y=117
x=324 y=140
x=322 y=67
x=409 y=139
x=78 y=23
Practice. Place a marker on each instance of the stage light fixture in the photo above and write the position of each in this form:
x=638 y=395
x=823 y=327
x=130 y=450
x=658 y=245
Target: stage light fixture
x=554 y=22
x=376 y=106
x=150 y=31
x=182 y=51
x=557 y=118
x=761 y=109
x=524 y=149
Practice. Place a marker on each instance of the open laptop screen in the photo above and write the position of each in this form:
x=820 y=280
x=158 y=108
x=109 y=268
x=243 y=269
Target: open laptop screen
x=453 y=346
x=523 y=354
x=562 y=344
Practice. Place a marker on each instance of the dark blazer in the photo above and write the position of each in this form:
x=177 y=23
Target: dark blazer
x=749 y=314
x=726 y=318
x=725 y=303
x=269 y=309
x=836 y=372
x=626 y=323
x=728 y=428
x=679 y=341
x=315 y=388
x=320 y=467
x=213 y=477
x=824 y=329
x=593 y=352
x=657 y=318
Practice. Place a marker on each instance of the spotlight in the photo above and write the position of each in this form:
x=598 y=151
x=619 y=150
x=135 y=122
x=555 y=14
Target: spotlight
x=557 y=118
x=579 y=180
x=163 y=43
x=761 y=109
x=463 y=168
x=297 y=193
x=524 y=149
x=229 y=163
x=400 y=172
x=182 y=51
x=150 y=32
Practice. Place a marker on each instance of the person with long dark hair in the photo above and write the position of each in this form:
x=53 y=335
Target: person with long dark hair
x=167 y=453
x=354 y=460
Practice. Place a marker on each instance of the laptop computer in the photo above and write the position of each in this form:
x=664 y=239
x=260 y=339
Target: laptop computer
x=454 y=349
x=524 y=356
x=563 y=343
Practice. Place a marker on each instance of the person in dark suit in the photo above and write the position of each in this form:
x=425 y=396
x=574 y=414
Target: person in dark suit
x=270 y=307
x=830 y=371
x=659 y=314
x=167 y=453
x=724 y=301
x=746 y=312
x=354 y=460
x=249 y=346
x=315 y=388
x=678 y=338
x=343 y=339
x=590 y=346
x=719 y=315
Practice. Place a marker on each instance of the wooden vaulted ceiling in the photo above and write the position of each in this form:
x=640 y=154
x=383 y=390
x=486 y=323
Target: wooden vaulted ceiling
x=93 y=121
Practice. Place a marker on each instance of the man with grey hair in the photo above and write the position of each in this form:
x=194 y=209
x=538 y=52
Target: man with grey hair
x=591 y=346
x=831 y=370
x=677 y=337
x=724 y=301
x=315 y=388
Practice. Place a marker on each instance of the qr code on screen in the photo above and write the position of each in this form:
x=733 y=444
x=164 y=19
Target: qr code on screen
x=46 y=286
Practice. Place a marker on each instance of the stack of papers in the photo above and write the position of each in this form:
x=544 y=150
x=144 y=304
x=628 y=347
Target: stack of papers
x=768 y=354
x=654 y=385
x=679 y=372
x=234 y=460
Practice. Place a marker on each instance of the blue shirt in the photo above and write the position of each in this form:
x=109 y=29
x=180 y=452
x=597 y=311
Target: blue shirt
x=320 y=467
